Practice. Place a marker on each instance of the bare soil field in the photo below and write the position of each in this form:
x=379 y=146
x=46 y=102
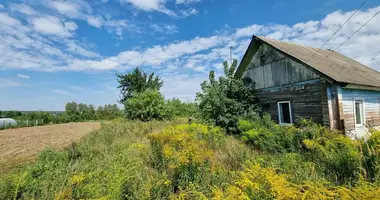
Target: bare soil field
x=19 y=146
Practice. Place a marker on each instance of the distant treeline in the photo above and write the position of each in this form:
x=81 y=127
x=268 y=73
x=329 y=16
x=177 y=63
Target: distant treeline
x=74 y=112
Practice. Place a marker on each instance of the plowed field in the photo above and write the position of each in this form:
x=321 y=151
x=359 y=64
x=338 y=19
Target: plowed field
x=18 y=146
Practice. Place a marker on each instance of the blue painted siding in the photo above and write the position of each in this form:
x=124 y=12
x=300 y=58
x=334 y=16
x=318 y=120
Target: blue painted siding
x=371 y=100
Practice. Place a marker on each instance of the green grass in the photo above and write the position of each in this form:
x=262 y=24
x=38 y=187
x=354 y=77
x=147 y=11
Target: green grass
x=172 y=160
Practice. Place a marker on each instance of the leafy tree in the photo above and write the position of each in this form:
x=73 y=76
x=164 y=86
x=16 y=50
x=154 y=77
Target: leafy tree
x=72 y=111
x=176 y=108
x=137 y=81
x=145 y=106
x=99 y=113
x=224 y=101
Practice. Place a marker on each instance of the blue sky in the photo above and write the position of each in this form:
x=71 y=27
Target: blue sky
x=52 y=52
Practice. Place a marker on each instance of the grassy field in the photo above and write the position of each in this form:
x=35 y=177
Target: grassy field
x=174 y=160
x=22 y=145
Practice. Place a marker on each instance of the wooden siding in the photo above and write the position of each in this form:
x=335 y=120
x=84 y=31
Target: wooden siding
x=269 y=68
x=306 y=99
x=333 y=109
x=371 y=101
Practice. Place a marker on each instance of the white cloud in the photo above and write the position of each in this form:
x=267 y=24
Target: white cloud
x=67 y=8
x=182 y=86
x=23 y=8
x=1 y=6
x=203 y=54
x=160 y=6
x=71 y=26
x=52 y=25
x=76 y=48
x=59 y=91
x=8 y=20
x=96 y=21
x=248 y=31
x=82 y=10
x=23 y=76
x=189 y=12
x=186 y=1
x=147 y=5
x=168 y=29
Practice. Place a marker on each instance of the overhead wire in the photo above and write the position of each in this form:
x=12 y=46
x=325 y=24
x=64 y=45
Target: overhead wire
x=337 y=30
x=352 y=35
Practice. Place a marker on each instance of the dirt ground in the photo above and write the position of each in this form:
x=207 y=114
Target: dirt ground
x=19 y=146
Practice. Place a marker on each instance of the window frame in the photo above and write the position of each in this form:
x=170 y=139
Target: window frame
x=362 y=112
x=290 y=112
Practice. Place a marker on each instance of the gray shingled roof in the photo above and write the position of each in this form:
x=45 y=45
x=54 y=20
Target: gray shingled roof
x=337 y=66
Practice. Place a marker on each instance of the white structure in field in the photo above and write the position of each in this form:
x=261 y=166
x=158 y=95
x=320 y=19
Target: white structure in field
x=7 y=122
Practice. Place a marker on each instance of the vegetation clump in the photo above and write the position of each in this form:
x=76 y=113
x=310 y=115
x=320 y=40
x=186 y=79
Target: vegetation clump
x=224 y=101
x=173 y=160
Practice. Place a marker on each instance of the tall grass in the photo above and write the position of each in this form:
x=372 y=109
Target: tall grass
x=97 y=166
x=173 y=160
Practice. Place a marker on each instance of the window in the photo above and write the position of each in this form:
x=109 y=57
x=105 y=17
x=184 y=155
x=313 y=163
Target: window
x=359 y=112
x=284 y=112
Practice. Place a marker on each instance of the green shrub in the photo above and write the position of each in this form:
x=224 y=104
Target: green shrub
x=335 y=155
x=175 y=108
x=370 y=150
x=185 y=153
x=266 y=136
x=222 y=102
x=145 y=106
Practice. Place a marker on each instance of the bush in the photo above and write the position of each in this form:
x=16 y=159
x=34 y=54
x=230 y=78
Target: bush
x=145 y=106
x=175 y=108
x=185 y=153
x=336 y=156
x=222 y=102
x=265 y=135
x=370 y=150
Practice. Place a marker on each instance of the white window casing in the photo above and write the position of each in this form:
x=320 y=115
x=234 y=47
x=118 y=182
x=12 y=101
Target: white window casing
x=284 y=110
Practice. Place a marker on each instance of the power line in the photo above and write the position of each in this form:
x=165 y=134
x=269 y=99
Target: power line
x=337 y=30
x=350 y=36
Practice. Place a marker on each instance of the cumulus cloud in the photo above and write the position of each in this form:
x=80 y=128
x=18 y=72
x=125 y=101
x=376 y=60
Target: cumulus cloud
x=70 y=9
x=203 y=54
x=160 y=6
x=150 y=5
x=79 y=9
x=52 y=25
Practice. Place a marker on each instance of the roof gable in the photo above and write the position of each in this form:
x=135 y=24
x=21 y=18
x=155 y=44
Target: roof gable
x=269 y=67
x=336 y=66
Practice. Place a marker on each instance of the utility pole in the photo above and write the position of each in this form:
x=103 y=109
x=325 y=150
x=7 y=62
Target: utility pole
x=231 y=54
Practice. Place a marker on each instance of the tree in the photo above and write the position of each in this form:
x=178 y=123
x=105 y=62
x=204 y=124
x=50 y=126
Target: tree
x=72 y=111
x=176 y=108
x=145 y=106
x=137 y=81
x=224 y=101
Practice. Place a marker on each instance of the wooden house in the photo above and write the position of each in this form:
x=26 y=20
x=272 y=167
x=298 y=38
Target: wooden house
x=294 y=81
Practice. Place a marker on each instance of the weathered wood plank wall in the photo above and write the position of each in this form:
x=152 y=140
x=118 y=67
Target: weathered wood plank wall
x=305 y=97
x=269 y=68
x=371 y=100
